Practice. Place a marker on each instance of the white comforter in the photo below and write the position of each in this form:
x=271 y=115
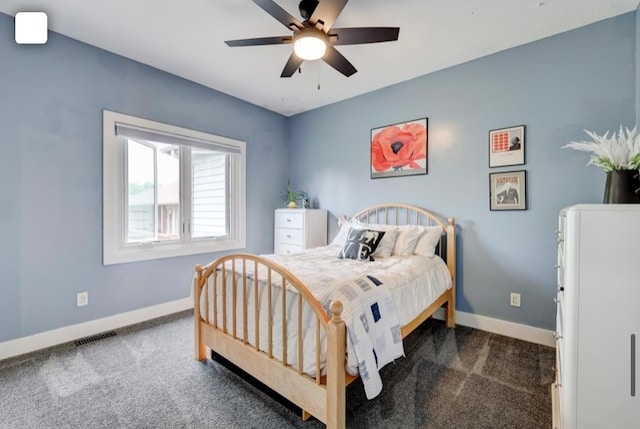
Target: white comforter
x=414 y=282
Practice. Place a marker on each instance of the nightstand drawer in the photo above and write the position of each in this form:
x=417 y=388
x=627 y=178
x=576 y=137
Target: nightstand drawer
x=285 y=249
x=289 y=236
x=289 y=220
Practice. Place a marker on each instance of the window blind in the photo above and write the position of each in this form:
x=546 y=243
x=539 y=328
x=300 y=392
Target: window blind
x=133 y=132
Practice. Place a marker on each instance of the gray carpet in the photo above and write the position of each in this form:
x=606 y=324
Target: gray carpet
x=146 y=377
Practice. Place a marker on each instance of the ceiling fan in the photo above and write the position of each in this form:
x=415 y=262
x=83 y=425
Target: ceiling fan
x=314 y=38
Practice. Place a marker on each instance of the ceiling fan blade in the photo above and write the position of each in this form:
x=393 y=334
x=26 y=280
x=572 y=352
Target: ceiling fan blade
x=276 y=40
x=336 y=60
x=279 y=14
x=292 y=65
x=327 y=11
x=357 y=36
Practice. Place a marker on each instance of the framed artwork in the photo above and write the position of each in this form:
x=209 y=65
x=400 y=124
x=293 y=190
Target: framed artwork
x=508 y=190
x=506 y=146
x=399 y=149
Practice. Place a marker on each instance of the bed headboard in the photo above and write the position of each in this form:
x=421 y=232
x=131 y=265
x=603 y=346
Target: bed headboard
x=406 y=214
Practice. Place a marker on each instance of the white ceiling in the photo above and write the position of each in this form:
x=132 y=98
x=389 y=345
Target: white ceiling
x=186 y=38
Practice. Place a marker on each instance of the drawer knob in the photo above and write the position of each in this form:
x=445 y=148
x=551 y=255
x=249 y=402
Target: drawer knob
x=288 y=220
x=288 y=235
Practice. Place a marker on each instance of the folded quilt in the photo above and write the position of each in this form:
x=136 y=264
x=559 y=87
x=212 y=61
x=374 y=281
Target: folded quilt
x=373 y=327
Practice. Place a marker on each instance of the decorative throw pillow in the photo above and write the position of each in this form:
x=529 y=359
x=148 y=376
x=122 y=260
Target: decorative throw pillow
x=361 y=244
x=428 y=241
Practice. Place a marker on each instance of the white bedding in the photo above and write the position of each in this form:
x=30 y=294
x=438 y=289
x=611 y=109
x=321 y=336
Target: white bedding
x=414 y=282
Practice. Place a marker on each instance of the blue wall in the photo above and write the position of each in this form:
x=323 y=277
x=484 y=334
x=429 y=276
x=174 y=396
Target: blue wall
x=637 y=15
x=583 y=79
x=51 y=101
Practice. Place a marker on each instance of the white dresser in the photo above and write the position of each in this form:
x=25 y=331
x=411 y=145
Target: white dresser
x=598 y=318
x=299 y=229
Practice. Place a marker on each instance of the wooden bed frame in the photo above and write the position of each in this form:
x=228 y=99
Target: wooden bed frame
x=322 y=396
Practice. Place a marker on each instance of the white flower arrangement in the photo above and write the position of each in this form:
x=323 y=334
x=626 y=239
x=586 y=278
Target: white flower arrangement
x=621 y=151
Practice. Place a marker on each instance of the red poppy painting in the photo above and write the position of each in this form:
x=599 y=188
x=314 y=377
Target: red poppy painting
x=399 y=149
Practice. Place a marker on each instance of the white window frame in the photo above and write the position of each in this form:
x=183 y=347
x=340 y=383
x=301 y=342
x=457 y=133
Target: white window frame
x=115 y=249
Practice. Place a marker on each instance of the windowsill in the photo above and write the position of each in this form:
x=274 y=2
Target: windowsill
x=150 y=251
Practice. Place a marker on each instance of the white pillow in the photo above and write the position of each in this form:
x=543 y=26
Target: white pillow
x=428 y=241
x=408 y=236
x=385 y=248
x=341 y=237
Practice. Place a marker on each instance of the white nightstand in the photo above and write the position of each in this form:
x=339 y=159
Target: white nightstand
x=299 y=229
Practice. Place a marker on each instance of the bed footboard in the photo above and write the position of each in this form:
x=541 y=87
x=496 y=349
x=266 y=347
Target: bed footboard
x=253 y=312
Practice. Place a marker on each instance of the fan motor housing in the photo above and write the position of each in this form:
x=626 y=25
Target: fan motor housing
x=307 y=7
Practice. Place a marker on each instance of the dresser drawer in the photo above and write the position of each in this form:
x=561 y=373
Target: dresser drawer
x=289 y=220
x=560 y=314
x=289 y=236
x=556 y=406
x=560 y=266
x=560 y=263
x=297 y=230
x=559 y=361
x=285 y=249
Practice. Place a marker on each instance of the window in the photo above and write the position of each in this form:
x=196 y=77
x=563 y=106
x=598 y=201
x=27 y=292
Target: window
x=169 y=191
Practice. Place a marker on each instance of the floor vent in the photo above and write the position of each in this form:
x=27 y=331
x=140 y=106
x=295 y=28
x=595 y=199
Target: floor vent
x=94 y=338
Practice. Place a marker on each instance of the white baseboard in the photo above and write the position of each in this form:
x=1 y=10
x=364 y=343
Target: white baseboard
x=70 y=333
x=502 y=327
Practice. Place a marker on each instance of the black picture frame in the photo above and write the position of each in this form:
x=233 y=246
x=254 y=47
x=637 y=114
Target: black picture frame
x=507 y=146
x=508 y=190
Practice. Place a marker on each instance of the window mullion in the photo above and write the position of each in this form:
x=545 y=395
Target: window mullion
x=124 y=189
x=229 y=173
x=186 y=185
x=156 y=217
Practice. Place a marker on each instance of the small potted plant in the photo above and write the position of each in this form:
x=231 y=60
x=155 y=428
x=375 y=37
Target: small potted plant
x=290 y=196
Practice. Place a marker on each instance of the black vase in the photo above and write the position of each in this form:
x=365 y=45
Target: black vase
x=622 y=187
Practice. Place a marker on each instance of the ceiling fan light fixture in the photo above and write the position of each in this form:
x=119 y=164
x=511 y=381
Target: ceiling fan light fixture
x=310 y=44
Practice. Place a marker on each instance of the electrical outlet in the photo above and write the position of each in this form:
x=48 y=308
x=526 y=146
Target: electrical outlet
x=515 y=299
x=82 y=299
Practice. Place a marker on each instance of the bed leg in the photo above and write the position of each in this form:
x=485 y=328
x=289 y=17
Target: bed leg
x=451 y=312
x=200 y=347
x=306 y=415
x=201 y=353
